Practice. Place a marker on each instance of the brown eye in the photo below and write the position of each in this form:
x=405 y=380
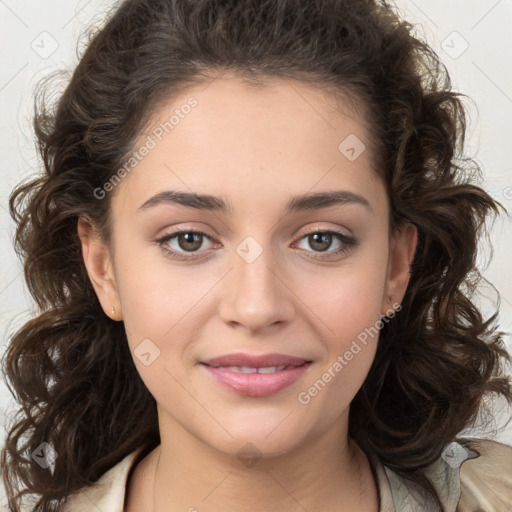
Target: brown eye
x=320 y=241
x=320 y=244
x=189 y=240
x=179 y=243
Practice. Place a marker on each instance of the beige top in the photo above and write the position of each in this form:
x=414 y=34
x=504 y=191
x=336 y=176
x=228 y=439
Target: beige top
x=466 y=480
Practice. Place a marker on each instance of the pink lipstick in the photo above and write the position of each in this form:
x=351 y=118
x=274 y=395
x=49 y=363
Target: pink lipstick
x=256 y=375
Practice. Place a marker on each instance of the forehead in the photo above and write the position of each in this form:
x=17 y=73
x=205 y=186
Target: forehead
x=278 y=107
x=279 y=136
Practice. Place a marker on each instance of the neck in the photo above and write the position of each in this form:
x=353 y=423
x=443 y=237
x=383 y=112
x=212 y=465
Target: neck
x=192 y=476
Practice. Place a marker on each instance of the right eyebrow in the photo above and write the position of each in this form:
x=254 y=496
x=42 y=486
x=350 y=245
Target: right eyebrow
x=190 y=199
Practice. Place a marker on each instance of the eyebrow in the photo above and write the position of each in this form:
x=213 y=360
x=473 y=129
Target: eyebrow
x=305 y=202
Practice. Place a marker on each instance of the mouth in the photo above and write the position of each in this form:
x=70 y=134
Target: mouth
x=256 y=376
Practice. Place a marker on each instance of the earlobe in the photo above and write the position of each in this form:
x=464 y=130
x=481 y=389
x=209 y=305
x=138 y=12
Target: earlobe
x=401 y=255
x=99 y=266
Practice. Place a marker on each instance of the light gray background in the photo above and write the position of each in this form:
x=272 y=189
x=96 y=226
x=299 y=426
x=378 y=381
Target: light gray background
x=471 y=36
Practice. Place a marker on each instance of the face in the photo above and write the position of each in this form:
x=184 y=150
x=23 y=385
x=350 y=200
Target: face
x=270 y=272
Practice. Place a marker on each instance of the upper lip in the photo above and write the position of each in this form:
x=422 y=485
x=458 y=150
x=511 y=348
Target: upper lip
x=255 y=361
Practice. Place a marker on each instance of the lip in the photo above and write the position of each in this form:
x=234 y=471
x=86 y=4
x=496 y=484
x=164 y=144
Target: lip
x=256 y=384
x=255 y=361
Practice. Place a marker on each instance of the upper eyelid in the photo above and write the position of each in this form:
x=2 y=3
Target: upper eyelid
x=308 y=231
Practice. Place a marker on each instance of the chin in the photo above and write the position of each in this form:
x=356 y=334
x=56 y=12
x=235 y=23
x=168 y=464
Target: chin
x=256 y=443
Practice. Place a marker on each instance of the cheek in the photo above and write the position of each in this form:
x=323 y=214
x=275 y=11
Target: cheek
x=347 y=305
x=350 y=334
x=156 y=297
x=160 y=313
x=347 y=299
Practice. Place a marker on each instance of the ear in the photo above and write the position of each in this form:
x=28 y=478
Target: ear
x=401 y=255
x=99 y=265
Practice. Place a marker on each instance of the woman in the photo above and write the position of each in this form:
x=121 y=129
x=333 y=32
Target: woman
x=254 y=251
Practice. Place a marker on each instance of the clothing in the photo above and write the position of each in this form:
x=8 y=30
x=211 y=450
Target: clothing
x=478 y=480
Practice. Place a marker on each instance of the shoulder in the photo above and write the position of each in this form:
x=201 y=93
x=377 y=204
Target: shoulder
x=486 y=480
x=107 y=493
x=470 y=475
x=474 y=474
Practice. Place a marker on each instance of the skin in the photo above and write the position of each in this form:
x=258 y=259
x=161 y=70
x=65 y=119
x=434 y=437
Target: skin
x=256 y=148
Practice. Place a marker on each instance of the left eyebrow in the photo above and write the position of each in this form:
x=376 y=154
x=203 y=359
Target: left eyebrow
x=318 y=200
x=309 y=201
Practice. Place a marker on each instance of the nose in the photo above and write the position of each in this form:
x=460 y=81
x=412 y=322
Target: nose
x=256 y=294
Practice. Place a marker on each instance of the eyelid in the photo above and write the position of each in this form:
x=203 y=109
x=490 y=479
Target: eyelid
x=317 y=229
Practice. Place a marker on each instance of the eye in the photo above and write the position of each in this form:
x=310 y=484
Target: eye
x=179 y=243
x=321 y=240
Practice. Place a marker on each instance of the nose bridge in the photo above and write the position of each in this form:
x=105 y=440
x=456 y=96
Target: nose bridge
x=256 y=294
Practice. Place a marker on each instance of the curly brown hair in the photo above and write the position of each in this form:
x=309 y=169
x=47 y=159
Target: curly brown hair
x=70 y=368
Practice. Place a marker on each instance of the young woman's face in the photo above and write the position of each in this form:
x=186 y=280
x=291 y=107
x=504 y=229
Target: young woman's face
x=258 y=282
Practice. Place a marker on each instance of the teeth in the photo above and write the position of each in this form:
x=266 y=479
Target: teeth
x=242 y=369
x=271 y=369
x=247 y=369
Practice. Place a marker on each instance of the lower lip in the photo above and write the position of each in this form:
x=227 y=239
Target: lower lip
x=257 y=384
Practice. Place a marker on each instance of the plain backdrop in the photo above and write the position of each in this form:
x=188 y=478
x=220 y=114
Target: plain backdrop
x=471 y=36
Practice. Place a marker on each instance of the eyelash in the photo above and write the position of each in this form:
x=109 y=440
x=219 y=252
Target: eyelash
x=347 y=243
